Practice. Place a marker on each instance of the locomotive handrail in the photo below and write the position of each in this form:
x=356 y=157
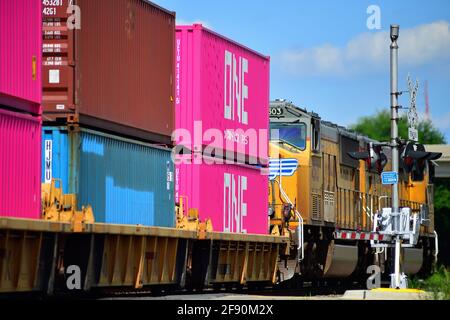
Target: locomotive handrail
x=368 y=203
x=366 y=208
x=379 y=201
x=300 y=230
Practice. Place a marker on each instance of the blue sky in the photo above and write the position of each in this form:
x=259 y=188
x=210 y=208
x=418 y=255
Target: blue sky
x=324 y=58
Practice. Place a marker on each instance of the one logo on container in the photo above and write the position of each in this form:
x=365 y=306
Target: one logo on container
x=234 y=207
x=236 y=91
x=235 y=95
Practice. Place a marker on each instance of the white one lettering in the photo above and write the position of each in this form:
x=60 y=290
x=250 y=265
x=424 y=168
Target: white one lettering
x=235 y=89
x=234 y=207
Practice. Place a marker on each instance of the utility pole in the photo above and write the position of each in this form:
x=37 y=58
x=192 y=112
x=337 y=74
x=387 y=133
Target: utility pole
x=395 y=148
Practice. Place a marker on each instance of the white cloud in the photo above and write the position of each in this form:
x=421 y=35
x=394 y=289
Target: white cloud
x=182 y=22
x=368 y=51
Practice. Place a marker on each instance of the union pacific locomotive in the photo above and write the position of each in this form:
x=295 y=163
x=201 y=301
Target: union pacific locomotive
x=326 y=201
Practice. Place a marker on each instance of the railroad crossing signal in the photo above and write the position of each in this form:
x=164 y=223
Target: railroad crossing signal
x=413 y=118
x=413 y=160
x=398 y=223
x=413 y=134
x=374 y=157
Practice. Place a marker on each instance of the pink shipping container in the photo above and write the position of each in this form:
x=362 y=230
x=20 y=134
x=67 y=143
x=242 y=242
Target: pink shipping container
x=233 y=196
x=225 y=86
x=20 y=165
x=20 y=54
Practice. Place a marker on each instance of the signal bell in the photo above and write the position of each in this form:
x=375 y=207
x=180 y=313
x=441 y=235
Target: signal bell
x=374 y=157
x=414 y=158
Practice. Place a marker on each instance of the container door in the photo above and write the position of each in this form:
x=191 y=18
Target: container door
x=58 y=58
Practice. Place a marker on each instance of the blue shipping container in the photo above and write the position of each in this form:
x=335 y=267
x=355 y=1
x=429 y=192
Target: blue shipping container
x=125 y=181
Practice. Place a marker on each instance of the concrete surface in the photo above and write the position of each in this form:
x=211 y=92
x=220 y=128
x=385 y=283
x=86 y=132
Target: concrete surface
x=226 y=296
x=376 y=294
x=386 y=294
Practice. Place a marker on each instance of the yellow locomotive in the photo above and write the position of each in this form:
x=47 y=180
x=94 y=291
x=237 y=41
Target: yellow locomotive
x=326 y=201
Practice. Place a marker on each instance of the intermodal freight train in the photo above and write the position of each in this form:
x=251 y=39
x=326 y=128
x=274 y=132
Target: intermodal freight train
x=89 y=112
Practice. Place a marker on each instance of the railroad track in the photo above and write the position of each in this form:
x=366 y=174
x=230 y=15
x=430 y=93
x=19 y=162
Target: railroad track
x=294 y=289
x=307 y=289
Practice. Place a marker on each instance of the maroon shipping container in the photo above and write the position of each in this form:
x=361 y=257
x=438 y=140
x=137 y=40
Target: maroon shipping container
x=20 y=165
x=113 y=68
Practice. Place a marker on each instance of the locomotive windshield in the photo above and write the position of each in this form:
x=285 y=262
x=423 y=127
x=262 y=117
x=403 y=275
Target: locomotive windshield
x=294 y=134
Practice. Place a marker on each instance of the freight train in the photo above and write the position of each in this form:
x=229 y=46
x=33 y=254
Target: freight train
x=334 y=197
x=90 y=114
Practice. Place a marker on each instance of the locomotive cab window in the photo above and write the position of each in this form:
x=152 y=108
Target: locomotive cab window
x=315 y=135
x=294 y=134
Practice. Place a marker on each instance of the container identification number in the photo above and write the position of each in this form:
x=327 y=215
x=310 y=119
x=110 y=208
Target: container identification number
x=48 y=11
x=52 y=3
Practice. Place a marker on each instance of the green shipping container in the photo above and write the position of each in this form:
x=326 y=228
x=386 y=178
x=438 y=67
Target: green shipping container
x=125 y=181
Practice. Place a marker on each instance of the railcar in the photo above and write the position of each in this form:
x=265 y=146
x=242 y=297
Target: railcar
x=325 y=201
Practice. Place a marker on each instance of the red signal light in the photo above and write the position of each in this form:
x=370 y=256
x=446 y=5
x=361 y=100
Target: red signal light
x=408 y=161
x=374 y=157
x=414 y=160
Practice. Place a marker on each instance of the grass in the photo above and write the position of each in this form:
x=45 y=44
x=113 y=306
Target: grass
x=438 y=284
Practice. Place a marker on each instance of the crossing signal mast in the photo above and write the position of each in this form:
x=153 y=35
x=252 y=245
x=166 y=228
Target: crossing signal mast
x=398 y=225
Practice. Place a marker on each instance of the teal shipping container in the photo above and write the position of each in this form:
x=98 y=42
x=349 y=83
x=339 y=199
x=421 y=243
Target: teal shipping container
x=125 y=181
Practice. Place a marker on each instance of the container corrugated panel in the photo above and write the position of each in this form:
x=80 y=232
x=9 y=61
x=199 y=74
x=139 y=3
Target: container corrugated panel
x=125 y=182
x=233 y=196
x=116 y=71
x=225 y=86
x=20 y=165
x=20 y=54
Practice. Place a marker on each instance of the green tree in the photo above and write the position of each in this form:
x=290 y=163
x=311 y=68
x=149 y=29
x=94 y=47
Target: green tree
x=442 y=218
x=378 y=127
